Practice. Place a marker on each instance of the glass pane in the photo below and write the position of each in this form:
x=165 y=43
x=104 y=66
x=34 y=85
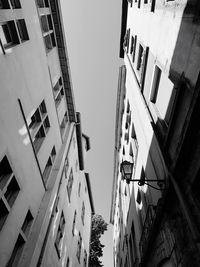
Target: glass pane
x=15 y=3
x=4 y=4
x=5 y=35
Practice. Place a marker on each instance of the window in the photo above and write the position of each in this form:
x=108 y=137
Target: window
x=48 y=32
x=132 y=44
x=4 y=211
x=67 y=264
x=49 y=164
x=134 y=143
x=9 y=188
x=11 y=35
x=140 y=57
x=15 y=3
x=21 y=240
x=79 y=245
x=39 y=126
x=83 y=213
x=46 y=23
x=46 y=124
x=70 y=184
x=126 y=137
x=162 y=96
x=131 y=151
x=126 y=40
x=66 y=166
x=27 y=223
x=4 y=4
x=17 y=251
x=49 y=41
x=85 y=259
x=153 y=4
x=142 y=177
x=64 y=123
x=139 y=198
x=74 y=222
x=39 y=138
x=8 y=34
x=58 y=92
x=79 y=189
x=21 y=25
x=134 y=48
x=60 y=233
x=141 y=63
x=43 y=3
x=155 y=84
x=12 y=191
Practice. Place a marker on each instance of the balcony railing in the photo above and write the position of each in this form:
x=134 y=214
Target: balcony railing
x=147 y=227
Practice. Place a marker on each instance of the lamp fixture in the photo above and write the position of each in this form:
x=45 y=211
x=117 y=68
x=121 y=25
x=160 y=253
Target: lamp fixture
x=126 y=169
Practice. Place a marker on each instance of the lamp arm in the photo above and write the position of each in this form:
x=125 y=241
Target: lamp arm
x=159 y=189
x=149 y=180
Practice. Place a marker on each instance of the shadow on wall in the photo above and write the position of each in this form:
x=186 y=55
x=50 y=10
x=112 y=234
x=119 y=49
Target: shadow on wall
x=172 y=237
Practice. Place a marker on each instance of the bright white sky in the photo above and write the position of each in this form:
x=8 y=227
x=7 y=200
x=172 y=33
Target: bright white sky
x=92 y=30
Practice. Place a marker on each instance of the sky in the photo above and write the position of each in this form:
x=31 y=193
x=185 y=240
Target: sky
x=92 y=30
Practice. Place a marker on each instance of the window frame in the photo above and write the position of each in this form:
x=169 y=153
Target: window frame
x=79 y=245
x=22 y=30
x=60 y=234
x=157 y=72
x=74 y=223
x=15 y=4
x=48 y=33
x=11 y=29
x=37 y=124
x=83 y=213
x=49 y=165
x=70 y=184
x=4 y=4
x=9 y=188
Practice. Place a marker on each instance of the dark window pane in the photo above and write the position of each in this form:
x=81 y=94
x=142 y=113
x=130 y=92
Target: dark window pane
x=12 y=191
x=15 y=3
x=21 y=25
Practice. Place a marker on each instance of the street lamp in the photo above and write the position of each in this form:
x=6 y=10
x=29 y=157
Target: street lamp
x=126 y=169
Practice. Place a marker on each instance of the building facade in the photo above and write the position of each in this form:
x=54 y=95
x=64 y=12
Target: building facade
x=156 y=223
x=45 y=195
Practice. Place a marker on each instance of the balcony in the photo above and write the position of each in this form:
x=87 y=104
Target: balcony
x=147 y=229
